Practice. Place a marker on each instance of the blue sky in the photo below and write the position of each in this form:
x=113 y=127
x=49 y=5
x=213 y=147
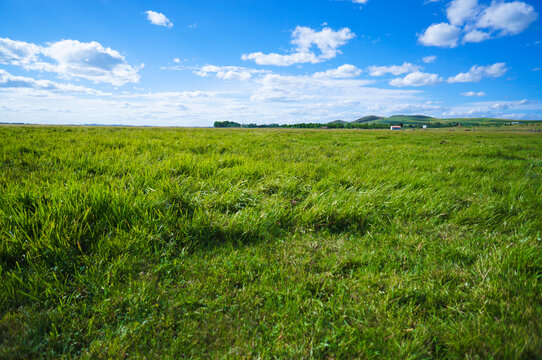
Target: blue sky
x=190 y=63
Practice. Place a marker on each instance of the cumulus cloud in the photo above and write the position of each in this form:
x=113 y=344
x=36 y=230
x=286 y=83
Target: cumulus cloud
x=406 y=67
x=90 y=61
x=429 y=59
x=507 y=18
x=459 y=11
x=327 y=41
x=343 y=71
x=71 y=59
x=476 y=36
x=159 y=19
x=17 y=52
x=441 y=35
x=472 y=22
x=474 y=94
x=476 y=73
x=416 y=79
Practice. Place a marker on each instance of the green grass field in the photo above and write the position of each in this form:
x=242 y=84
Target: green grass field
x=204 y=243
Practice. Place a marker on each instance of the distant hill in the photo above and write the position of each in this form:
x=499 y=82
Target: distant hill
x=338 y=122
x=366 y=119
x=416 y=117
x=411 y=118
x=418 y=120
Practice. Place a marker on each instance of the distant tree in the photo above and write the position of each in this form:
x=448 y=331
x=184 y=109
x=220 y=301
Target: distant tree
x=226 y=124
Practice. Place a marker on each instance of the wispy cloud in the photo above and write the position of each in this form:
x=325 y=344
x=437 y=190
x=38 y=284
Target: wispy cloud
x=8 y=81
x=406 y=67
x=429 y=59
x=227 y=72
x=476 y=73
x=474 y=94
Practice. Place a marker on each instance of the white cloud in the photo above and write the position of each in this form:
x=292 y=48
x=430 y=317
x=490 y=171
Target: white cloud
x=459 y=11
x=360 y=1
x=476 y=36
x=243 y=73
x=313 y=92
x=227 y=72
x=271 y=98
x=90 y=61
x=505 y=105
x=17 y=52
x=281 y=60
x=394 y=69
x=496 y=70
x=477 y=22
x=508 y=18
x=497 y=109
x=71 y=59
x=304 y=39
x=476 y=73
x=474 y=94
x=429 y=59
x=441 y=35
x=343 y=71
x=159 y=19
x=417 y=79
x=177 y=61
x=8 y=80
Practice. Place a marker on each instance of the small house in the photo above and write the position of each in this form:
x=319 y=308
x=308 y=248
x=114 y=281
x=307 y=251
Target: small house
x=395 y=127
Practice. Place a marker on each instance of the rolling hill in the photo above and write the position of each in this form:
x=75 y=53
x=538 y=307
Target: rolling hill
x=367 y=119
x=418 y=120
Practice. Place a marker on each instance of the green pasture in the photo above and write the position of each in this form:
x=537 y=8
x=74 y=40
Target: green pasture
x=270 y=243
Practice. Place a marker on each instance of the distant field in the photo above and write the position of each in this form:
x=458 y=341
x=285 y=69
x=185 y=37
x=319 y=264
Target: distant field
x=219 y=243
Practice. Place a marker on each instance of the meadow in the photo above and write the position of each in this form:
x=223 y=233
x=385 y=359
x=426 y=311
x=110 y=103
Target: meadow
x=270 y=243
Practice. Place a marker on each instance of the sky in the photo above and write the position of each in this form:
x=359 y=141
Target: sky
x=191 y=63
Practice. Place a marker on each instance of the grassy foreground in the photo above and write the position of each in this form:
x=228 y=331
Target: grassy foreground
x=169 y=243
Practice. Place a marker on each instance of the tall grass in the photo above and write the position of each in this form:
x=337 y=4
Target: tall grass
x=153 y=243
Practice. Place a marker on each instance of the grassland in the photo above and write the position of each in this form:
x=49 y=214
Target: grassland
x=169 y=243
